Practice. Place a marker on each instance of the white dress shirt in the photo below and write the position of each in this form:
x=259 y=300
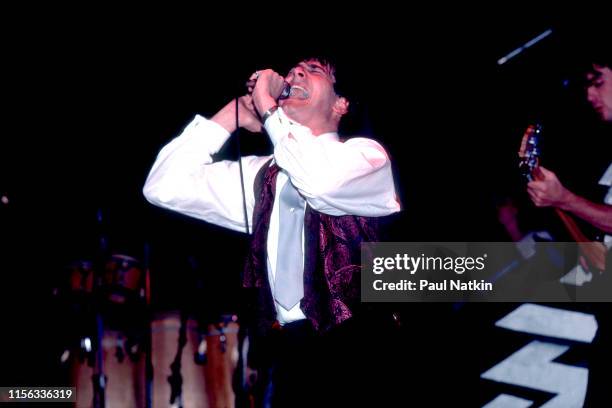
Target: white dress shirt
x=335 y=178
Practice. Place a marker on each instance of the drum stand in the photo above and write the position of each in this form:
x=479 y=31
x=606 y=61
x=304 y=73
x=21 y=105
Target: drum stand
x=99 y=378
x=176 y=379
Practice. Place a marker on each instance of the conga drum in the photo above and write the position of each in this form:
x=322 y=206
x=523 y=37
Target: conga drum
x=123 y=279
x=115 y=295
x=75 y=288
x=207 y=362
x=81 y=277
x=124 y=369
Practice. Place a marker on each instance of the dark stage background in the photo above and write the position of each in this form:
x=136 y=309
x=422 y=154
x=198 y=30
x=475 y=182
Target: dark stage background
x=88 y=104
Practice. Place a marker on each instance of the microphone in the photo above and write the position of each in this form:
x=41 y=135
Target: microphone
x=295 y=91
x=286 y=91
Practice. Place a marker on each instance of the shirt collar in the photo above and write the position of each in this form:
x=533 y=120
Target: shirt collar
x=333 y=136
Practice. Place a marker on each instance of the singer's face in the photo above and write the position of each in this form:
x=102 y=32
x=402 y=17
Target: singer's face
x=316 y=80
x=599 y=91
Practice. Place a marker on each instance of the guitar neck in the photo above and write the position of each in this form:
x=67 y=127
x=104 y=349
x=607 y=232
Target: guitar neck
x=571 y=226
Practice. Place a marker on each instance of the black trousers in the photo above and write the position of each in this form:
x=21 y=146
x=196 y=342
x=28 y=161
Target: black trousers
x=358 y=362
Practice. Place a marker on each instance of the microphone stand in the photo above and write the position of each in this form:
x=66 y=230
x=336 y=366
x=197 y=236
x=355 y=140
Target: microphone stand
x=148 y=348
x=99 y=378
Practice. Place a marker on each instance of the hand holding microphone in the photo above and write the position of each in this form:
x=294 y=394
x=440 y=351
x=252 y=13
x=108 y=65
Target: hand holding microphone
x=273 y=78
x=283 y=95
x=266 y=88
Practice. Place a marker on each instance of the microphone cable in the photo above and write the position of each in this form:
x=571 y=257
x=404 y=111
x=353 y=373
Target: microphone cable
x=244 y=205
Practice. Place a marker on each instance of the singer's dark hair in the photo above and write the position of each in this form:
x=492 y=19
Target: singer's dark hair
x=343 y=85
x=346 y=72
x=329 y=64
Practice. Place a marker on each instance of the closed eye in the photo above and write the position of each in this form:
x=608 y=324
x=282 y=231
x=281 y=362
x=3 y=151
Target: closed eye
x=313 y=68
x=598 y=83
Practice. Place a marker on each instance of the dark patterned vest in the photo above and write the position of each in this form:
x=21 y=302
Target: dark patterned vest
x=332 y=261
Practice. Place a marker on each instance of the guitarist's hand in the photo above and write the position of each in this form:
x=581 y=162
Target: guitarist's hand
x=592 y=256
x=547 y=190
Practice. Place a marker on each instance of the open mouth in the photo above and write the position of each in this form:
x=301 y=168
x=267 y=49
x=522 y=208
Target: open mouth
x=298 y=92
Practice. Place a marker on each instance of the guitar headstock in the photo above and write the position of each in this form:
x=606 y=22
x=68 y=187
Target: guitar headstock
x=529 y=152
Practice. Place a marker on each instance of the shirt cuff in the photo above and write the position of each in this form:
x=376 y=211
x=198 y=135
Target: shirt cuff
x=277 y=126
x=209 y=132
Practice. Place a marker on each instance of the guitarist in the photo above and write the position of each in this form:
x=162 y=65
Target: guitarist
x=548 y=191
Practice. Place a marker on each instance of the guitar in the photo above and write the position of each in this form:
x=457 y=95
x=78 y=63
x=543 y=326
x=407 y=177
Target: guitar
x=529 y=159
